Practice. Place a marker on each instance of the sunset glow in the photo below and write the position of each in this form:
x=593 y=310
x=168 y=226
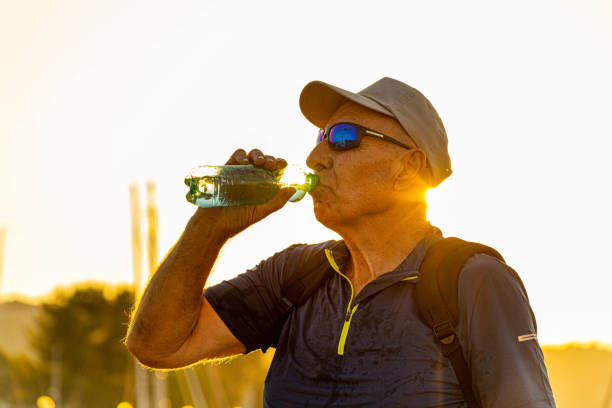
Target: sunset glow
x=98 y=95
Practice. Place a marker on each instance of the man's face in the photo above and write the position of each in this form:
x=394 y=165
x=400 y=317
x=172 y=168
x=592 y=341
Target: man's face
x=358 y=182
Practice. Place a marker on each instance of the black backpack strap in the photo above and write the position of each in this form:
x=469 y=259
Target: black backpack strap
x=436 y=297
x=304 y=282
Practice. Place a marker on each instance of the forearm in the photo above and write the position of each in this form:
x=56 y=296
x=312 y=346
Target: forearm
x=170 y=306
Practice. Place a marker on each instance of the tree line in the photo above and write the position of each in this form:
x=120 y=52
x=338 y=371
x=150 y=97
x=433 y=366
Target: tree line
x=82 y=360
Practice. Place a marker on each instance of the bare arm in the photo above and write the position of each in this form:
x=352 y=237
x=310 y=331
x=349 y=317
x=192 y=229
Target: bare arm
x=174 y=325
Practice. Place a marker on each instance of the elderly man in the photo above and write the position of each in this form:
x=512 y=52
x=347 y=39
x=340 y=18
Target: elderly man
x=358 y=338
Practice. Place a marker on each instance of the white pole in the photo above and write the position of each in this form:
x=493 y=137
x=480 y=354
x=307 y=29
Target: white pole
x=216 y=387
x=160 y=384
x=195 y=389
x=141 y=376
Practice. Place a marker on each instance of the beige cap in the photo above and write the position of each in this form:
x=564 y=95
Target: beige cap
x=318 y=101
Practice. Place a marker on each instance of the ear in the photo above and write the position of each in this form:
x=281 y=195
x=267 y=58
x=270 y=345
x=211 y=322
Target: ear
x=412 y=163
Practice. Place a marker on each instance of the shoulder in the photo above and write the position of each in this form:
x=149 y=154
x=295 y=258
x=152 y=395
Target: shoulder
x=298 y=254
x=284 y=263
x=270 y=274
x=302 y=252
x=487 y=275
x=491 y=296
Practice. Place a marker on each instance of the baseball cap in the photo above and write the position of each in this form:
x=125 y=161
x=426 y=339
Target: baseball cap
x=416 y=115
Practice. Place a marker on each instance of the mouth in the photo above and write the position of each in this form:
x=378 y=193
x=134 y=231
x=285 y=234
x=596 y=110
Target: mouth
x=320 y=191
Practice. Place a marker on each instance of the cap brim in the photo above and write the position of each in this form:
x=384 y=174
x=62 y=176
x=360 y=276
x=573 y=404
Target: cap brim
x=318 y=101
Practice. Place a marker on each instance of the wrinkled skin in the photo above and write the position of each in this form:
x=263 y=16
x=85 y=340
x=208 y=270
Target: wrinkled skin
x=373 y=196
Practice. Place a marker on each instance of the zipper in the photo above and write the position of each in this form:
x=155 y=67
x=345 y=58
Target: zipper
x=345 y=329
x=349 y=311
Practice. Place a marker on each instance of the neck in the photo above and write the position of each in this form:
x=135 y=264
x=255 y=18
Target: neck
x=380 y=242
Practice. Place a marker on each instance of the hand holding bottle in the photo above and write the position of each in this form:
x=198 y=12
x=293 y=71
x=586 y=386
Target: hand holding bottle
x=230 y=220
x=256 y=158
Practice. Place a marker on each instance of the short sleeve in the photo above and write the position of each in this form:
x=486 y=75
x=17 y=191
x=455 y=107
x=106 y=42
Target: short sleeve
x=249 y=304
x=499 y=339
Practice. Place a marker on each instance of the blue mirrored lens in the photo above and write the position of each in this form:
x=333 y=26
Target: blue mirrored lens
x=343 y=136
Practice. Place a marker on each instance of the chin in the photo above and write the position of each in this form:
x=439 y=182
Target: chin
x=326 y=216
x=322 y=212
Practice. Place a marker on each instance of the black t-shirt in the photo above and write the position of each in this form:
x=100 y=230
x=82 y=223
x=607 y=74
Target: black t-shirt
x=372 y=349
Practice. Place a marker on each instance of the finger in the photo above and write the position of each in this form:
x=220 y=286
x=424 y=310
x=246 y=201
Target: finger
x=238 y=157
x=278 y=202
x=256 y=157
x=281 y=163
x=270 y=162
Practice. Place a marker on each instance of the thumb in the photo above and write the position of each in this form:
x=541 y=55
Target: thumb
x=278 y=202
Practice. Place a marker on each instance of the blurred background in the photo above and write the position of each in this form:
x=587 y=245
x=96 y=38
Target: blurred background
x=105 y=106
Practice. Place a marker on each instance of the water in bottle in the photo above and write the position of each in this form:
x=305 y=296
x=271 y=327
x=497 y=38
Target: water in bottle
x=231 y=185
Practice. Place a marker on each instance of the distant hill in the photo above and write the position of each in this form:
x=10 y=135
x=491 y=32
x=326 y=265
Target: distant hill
x=16 y=318
x=579 y=374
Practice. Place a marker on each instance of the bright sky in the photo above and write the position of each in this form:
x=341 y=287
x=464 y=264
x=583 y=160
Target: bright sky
x=95 y=95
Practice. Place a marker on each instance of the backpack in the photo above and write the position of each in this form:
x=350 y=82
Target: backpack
x=436 y=294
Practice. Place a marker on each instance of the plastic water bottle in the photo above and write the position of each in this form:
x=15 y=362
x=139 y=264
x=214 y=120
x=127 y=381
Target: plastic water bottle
x=231 y=185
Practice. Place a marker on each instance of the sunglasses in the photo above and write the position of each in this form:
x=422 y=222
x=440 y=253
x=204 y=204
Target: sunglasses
x=345 y=136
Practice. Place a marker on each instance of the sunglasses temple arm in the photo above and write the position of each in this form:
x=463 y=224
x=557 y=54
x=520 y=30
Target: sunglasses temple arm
x=397 y=142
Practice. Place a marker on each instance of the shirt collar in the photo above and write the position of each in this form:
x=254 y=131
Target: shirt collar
x=407 y=271
x=413 y=261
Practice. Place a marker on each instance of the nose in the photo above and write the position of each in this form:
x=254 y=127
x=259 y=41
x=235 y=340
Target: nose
x=320 y=157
